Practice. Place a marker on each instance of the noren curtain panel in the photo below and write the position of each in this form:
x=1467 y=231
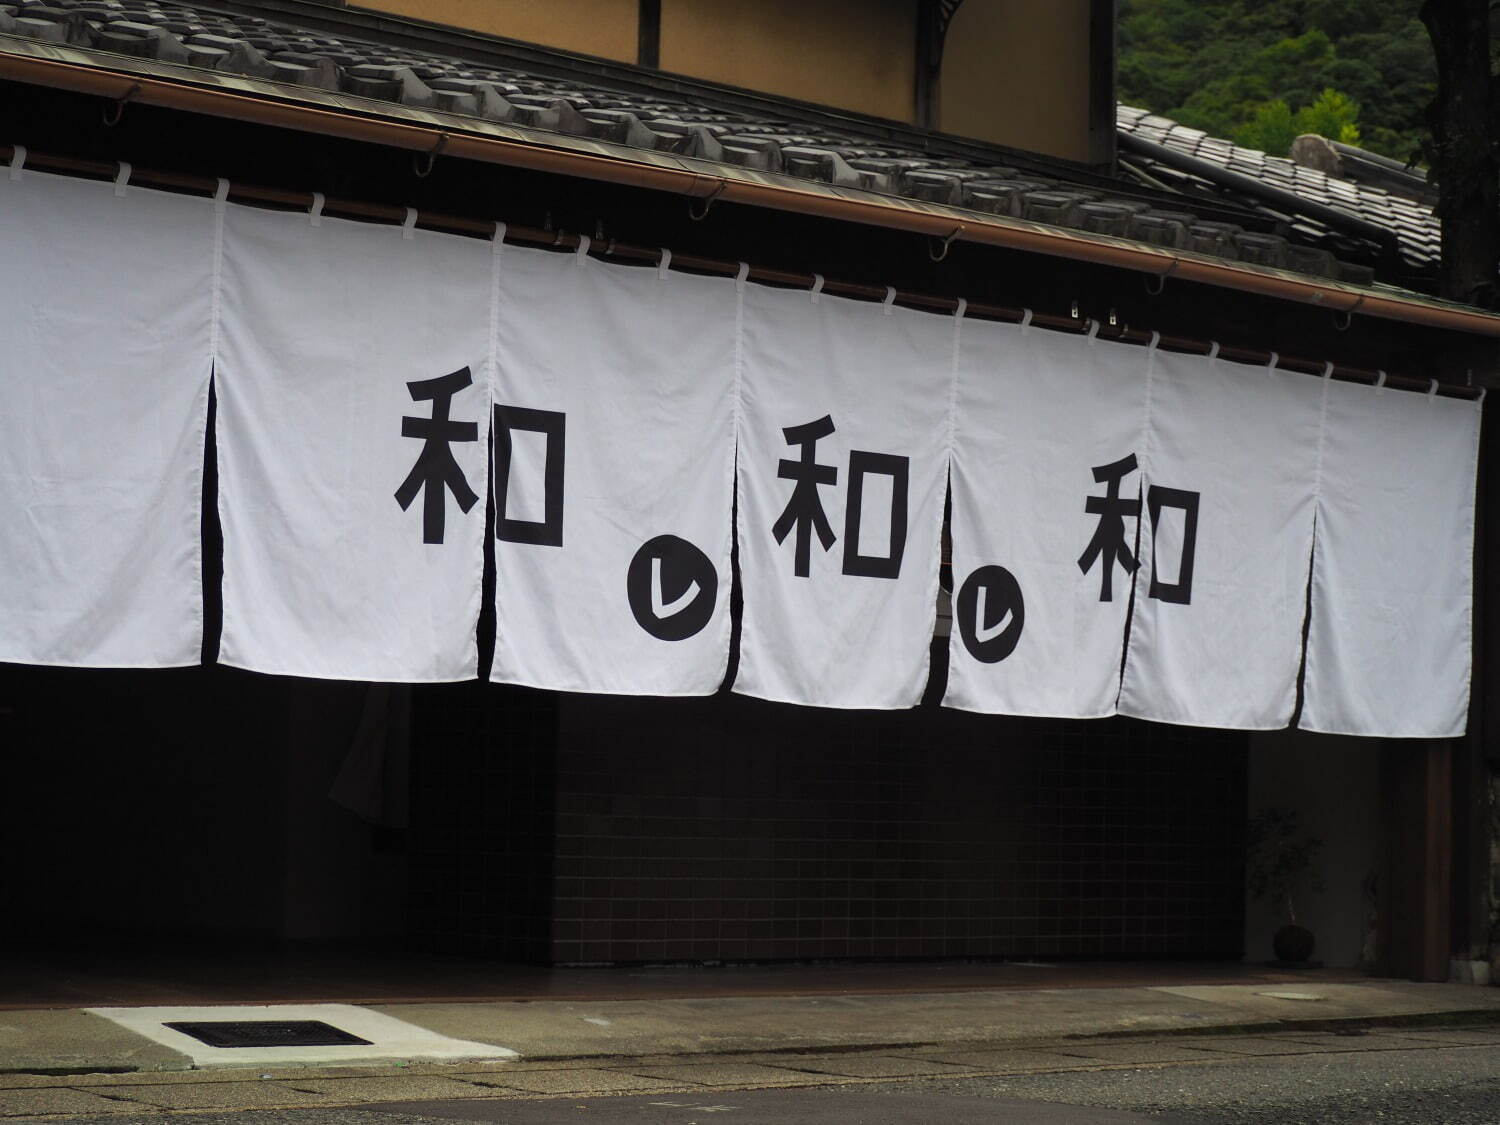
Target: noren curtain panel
x=1177 y=538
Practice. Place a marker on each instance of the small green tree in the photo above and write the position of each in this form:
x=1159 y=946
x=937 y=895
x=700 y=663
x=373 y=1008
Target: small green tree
x=1273 y=126
x=1279 y=858
x=1331 y=115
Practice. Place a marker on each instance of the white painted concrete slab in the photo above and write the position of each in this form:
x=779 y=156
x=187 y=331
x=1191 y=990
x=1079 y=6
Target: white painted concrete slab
x=390 y=1038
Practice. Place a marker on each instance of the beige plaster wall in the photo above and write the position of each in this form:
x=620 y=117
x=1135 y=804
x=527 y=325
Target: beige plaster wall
x=608 y=28
x=852 y=54
x=1016 y=72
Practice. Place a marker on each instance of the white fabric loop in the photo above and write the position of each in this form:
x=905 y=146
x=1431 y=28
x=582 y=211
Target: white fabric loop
x=1380 y=380
x=411 y=223
x=1272 y=362
x=221 y=193
x=741 y=275
x=817 y=287
x=665 y=263
x=890 y=299
x=315 y=213
x=961 y=309
x=122 y=178
x=17 y=161
x=1213 y=351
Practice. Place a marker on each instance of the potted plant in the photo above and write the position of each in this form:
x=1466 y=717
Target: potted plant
x=1279 y=865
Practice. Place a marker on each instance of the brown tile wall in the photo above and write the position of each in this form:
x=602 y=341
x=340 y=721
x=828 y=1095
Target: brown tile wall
x=588 y=829
x=729 y=829
x=482 y=819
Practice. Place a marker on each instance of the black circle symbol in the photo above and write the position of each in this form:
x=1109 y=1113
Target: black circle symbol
x=991 y=614
x=672 y=587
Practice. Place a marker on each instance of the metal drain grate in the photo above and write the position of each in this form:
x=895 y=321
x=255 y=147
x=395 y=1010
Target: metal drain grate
x=267 y=1033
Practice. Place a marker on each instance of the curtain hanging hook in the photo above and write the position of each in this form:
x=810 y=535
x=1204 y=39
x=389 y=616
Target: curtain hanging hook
x=1271 y=365
x=663 y=264
x=708 y=201
x=581 y=255
x=1347 y=314
x=122 y=178
x=113 y=113
x=1161 y=283
x=890 y=299
x=945 y=244
x=410 y=225
x=961 y=308
x=741 y=275
x=422 y=172
x=315 y=212
x=17 y=160
x=817 y=287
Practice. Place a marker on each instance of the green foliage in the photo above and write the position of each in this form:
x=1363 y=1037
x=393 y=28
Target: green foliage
x=1279 y=858
x=1334 y=65
x=1273 y=126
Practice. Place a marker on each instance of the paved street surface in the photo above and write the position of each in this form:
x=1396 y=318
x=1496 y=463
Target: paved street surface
x=1394 y=1076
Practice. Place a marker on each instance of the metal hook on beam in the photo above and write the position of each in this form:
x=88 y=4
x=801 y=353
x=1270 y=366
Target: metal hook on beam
x=114 y=112
x=945 y=244
x=708 y=201
x=430 y=157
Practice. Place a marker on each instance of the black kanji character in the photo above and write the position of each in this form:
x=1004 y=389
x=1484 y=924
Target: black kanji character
x=1157 y=498
x=898 y=469
x=553 y=426
x=1109 y=535
x=804 y=509
x=436 y=468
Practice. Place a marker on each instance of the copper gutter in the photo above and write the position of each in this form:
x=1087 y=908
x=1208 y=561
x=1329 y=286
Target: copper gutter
x=871 y=210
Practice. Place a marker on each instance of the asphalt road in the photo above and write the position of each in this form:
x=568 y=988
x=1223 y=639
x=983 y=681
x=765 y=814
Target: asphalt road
x=1441 y=1085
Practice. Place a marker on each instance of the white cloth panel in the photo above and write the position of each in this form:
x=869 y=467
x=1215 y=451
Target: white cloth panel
x=840 y=399
x=324 y=327
x=1388 y=648
x=106 y=312
x=1226 y=542
x=614 y=463
x=1041 y=589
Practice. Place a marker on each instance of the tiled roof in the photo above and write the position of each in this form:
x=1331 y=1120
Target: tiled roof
x=1418 y=231
x=648 y=112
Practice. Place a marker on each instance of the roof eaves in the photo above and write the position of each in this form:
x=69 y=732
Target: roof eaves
x=311 y=110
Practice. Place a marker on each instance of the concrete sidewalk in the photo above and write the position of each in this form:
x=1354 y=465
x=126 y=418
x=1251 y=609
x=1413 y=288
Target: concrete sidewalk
x=67 y=1061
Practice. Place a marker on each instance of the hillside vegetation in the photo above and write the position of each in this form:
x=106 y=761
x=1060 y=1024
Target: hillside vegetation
x=1262 y=71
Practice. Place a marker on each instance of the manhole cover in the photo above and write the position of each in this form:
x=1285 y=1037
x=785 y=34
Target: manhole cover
x=266 y=1033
